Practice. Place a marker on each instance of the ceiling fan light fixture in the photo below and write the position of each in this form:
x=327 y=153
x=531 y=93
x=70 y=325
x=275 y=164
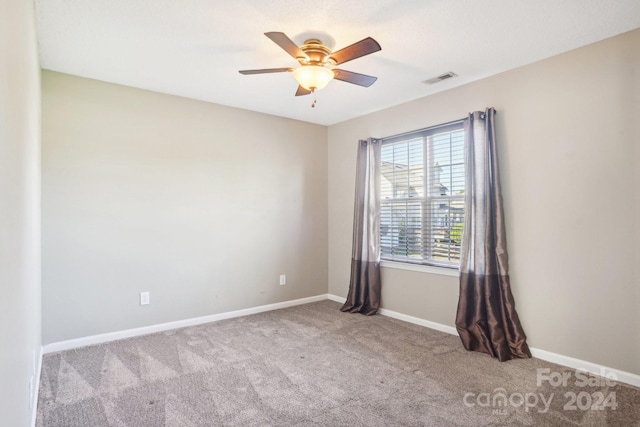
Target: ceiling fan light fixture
x=313 y=77
x=317 y=62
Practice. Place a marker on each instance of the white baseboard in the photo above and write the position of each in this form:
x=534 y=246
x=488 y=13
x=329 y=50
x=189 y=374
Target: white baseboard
x=405 y=317
x=616 y=374
x=36 y=387
x=416 y=320
x=112 y=336
x=620 y=376
x=336 y=298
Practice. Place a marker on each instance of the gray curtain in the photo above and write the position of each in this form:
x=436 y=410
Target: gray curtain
x=486 y=318
x=364 y=287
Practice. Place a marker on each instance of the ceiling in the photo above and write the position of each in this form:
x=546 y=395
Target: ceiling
x=194 y=48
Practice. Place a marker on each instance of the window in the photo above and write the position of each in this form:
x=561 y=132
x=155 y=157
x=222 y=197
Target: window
x=422 y=187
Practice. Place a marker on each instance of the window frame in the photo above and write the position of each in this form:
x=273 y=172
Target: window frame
x=427 y=263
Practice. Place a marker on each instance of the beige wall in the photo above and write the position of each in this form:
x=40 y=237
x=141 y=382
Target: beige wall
x=569 y=149
x=19 y=210
x=205 y=205
x=202 y=205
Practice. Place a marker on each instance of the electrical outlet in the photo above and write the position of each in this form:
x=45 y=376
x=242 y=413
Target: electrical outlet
x=283 y=279
x=144 y=298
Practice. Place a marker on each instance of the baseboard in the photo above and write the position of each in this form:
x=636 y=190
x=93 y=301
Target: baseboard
x=129 y=333
x=405 y=317
x=416 y=320
x=571 y=362
x=336 y=298
x=621 y=376
x=36 y=387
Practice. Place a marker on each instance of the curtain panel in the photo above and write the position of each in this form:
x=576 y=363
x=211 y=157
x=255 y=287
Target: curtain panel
x=486 y=318
x=364 y=286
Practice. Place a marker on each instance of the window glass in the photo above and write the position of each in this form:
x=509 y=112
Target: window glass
x=422 y=196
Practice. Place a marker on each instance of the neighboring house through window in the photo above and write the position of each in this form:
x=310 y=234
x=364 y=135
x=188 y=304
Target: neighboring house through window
x=422 y=189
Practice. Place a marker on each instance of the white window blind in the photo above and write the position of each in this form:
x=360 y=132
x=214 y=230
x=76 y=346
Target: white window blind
x=422 y=196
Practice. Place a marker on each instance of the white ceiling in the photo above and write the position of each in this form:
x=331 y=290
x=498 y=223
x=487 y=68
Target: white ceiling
x=194 y=48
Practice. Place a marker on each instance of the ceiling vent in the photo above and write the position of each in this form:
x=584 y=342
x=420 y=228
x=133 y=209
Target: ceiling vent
x=440 y=78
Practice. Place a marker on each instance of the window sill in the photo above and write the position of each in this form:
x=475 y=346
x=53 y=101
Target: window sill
x=443 y=271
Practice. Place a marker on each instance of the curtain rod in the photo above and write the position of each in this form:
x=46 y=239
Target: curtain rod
x=400 y=135
x=453 y=122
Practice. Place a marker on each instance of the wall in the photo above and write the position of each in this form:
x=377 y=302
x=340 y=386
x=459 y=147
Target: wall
x=19 y=211
x=200 y=204
x=568 y=138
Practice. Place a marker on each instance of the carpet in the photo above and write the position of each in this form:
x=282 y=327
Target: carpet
x=312 y=365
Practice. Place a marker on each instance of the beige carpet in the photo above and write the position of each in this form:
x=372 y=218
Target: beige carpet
x=313 y=365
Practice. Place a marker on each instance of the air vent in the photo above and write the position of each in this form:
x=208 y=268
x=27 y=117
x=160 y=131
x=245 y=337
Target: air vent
x=440 y=78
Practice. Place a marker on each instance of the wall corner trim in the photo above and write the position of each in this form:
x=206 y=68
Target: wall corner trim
x=36 y=386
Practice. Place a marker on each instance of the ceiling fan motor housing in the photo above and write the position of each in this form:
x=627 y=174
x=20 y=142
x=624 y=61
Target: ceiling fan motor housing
x=317 y=53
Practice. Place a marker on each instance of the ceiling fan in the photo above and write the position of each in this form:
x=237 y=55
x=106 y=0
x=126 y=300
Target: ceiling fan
x=317 y=62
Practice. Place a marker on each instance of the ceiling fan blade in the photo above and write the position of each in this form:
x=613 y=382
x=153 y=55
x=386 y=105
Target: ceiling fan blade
x=355 y=78
x=286 y=44
x=266 y=70
x=356 y=50
x=302 y=91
